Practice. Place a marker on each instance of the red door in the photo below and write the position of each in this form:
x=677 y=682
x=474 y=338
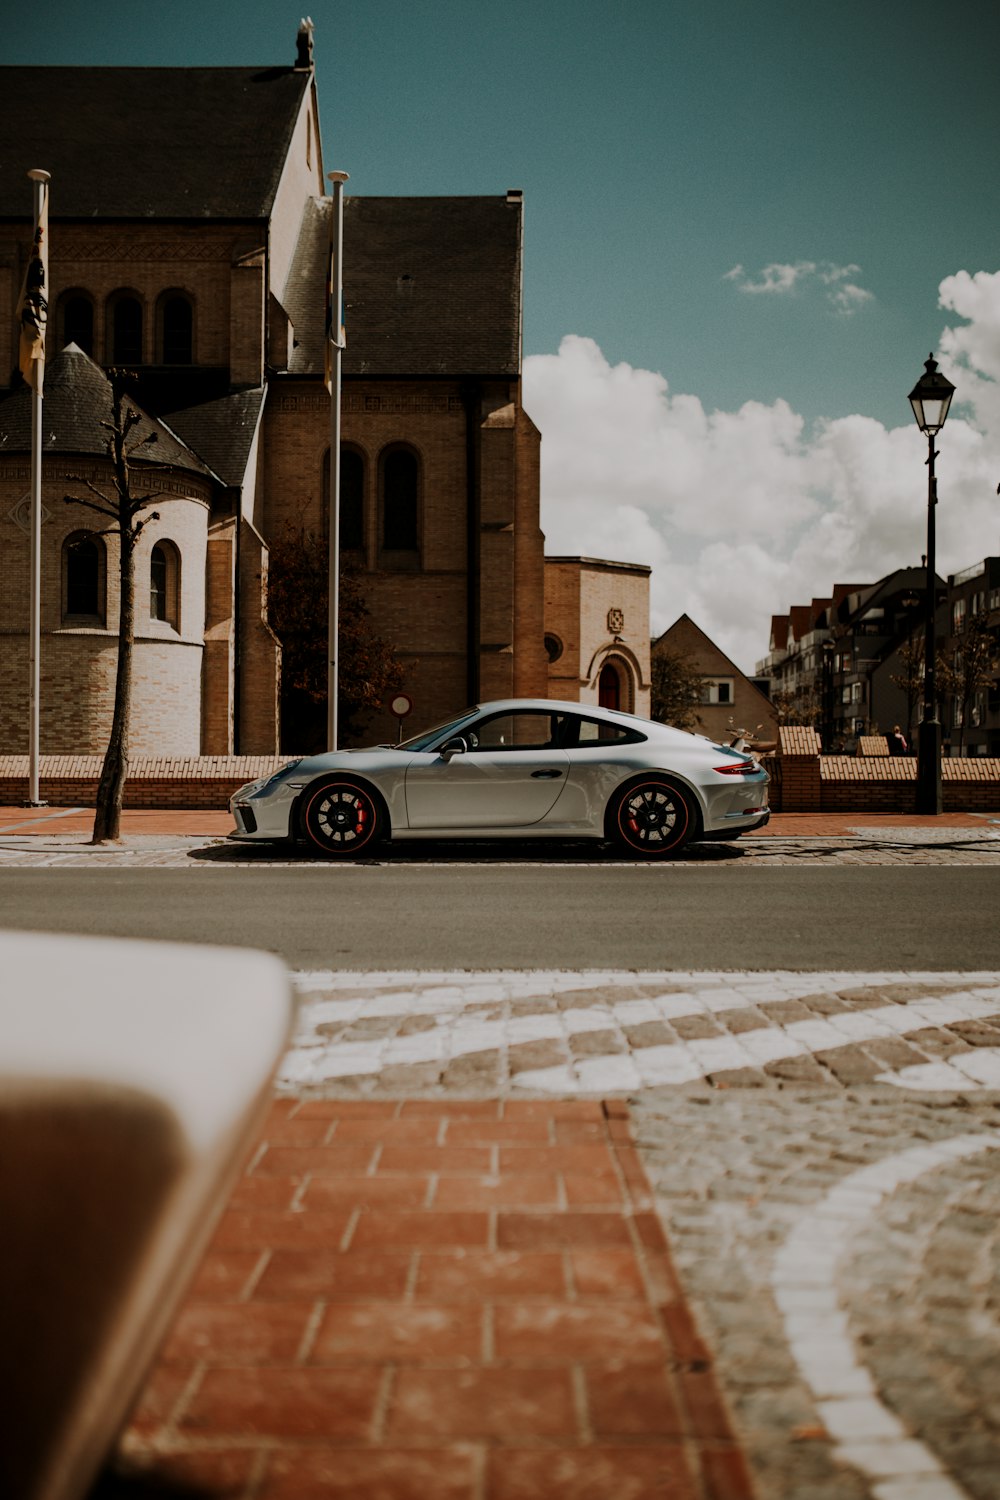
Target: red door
x=609 y=688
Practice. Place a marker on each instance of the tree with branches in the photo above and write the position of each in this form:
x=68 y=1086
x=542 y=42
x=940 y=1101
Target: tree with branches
x=676 y=689
x=128 y=514
x=973 y=670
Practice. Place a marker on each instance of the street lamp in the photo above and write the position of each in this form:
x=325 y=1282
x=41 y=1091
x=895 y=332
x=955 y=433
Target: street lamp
x=930 y=399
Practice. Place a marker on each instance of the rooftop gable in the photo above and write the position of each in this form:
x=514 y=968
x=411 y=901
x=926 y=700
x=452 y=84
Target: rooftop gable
x=432 y=286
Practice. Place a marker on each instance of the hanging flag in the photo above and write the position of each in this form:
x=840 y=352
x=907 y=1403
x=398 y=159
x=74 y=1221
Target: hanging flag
x=33 y=309
x=336 y=334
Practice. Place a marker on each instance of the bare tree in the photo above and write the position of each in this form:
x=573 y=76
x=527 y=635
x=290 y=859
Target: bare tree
x=129 y=515
x=910 y=679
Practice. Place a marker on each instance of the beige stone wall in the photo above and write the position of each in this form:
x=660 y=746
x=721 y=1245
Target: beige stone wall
x=146 y=259
x=580 y=594
x=421 y=610
x=78 y=657
x=301 y=178
x=260 y=653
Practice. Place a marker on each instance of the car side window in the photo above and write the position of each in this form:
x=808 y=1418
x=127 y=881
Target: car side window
x=529 y=730
x=600 y=732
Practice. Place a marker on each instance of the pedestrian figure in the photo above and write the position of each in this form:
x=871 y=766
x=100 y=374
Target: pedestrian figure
x=897 y=741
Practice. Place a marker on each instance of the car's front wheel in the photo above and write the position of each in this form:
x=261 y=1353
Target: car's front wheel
x=342 y=818
x=652 y=817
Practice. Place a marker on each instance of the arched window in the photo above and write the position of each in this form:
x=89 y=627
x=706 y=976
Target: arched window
x=175 y=329
x=124 y=342
x=76 y=317
x=400 y=500
x=164 y=584
x=352 y=499
x=83 y=578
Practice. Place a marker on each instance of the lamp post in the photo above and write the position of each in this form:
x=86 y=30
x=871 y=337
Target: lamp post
x=930 y=399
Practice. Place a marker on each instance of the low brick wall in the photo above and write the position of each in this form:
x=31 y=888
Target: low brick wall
x=848 y=783
x=205 y=781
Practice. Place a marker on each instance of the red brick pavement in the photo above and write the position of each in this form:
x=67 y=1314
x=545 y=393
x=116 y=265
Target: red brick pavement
x=465 y=1300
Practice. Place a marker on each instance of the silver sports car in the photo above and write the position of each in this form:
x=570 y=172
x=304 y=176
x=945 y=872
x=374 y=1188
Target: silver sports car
x=522 y=768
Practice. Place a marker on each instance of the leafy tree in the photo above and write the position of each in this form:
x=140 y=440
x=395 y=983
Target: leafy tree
x=129 y=515
x=910 y=679
x=801 y=707
x=676 y=689
x=368 y=670
x=973 y=669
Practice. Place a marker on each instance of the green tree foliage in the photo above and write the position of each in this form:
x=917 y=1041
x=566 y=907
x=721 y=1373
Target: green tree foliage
x=676 y=689
x=972 y=670
x=369 y=671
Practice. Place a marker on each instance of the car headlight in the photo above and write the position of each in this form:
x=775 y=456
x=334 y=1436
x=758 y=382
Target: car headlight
x=279 y=776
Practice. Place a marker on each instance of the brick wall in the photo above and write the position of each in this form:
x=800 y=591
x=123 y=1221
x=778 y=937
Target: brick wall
x=205 y=781
x=802 y=780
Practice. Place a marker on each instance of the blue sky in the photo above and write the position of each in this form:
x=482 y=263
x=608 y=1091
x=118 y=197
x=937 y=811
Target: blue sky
x=757 y=203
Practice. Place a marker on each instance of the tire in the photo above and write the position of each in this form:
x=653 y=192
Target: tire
x=343 y=819
x=652 y=818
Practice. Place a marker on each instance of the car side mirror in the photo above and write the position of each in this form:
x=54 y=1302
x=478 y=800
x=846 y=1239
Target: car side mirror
x=456 y=746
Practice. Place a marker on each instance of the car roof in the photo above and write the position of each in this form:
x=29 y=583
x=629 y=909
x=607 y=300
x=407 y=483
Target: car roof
x=565 y=705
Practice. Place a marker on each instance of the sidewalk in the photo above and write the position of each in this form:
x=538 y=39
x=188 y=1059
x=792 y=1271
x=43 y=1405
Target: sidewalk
x=52 y=822
x=470 y=1300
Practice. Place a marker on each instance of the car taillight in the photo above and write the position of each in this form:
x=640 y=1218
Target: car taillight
x=742 y=768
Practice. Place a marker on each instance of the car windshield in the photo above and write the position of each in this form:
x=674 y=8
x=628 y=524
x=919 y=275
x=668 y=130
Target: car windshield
x=428 y=737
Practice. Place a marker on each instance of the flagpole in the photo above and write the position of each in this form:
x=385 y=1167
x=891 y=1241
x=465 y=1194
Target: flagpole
x=41 y=180
x=336 y=340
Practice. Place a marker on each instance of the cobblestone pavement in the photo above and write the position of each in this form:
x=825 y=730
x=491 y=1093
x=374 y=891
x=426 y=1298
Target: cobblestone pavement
x=823 y=1151
x=867 y=846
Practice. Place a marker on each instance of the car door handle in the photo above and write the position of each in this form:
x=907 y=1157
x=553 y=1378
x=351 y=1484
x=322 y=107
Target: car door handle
x=545 y=775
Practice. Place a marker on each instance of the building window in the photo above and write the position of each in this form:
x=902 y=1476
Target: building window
x=958 y=617
x=717 y=690
x=352 y=499
x=553 y=647
x=164 y=580
x=83 y=579
x=175 y=328
x=400 y=500
x=77 y=315
x=124 y=340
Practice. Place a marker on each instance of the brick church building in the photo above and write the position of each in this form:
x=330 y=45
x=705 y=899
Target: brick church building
x=189 y=242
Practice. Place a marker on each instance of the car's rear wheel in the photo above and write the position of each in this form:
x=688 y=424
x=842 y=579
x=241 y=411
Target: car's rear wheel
x=652 y=817
x=342 y=819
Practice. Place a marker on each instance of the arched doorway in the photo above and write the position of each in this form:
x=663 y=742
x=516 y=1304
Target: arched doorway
x=609 y=687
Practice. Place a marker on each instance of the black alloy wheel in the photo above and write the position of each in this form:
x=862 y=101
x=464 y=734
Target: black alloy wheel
x=652 y=818
x=342 y=819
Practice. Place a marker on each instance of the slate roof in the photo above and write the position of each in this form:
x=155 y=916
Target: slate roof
x=432 y=286
x=221 y=432
x=147 y=143
x=77 y=400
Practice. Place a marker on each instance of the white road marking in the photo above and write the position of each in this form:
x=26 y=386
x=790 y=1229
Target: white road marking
x=868 y=1436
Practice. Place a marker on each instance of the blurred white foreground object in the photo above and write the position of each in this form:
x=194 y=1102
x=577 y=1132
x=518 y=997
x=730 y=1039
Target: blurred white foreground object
x=133 y=1077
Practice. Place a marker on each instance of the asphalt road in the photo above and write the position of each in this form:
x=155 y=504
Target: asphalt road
x=529 y=916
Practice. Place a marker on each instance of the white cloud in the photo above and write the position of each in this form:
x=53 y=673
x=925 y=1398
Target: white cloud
x=841 y=290
x=741 y=514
